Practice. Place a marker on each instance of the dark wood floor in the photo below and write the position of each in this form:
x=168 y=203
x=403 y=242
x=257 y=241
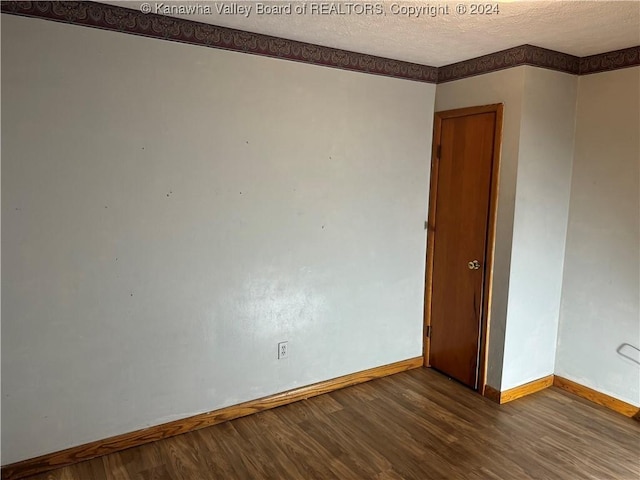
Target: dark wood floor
x=413 y=425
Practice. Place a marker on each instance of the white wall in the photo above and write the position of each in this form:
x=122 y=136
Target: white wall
x=506 y=87
x=171 y=212
x=601 y=287
x=540 y=225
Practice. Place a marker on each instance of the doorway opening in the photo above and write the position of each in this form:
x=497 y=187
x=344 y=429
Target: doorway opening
x=461 y=227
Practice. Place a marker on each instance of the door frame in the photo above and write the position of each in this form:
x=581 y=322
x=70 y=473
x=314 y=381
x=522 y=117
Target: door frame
x=498 y=109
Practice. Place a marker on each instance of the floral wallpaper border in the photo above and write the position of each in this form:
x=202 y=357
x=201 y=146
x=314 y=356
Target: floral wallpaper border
x=627 y=57
x=120 y=19
x=512 y=57
x=109 y=17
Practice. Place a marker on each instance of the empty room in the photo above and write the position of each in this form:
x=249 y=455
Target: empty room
x=320 y=240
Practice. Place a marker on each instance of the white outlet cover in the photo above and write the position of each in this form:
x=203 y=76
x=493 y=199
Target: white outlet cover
x=283 y=350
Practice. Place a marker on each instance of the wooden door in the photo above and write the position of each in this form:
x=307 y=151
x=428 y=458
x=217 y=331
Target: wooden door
x=461 y=217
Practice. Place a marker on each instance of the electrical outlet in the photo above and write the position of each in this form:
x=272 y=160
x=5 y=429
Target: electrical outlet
x=283 y=350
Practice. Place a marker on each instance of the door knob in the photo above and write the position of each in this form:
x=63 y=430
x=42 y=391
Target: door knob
x=474 y=265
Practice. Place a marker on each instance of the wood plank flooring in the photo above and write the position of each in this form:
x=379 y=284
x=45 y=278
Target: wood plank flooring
x=412 y=425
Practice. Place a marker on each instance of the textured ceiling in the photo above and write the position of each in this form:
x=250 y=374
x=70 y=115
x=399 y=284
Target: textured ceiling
x=578 y=27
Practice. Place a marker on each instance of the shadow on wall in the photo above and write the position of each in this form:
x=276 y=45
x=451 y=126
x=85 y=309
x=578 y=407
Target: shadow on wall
x=629 y=351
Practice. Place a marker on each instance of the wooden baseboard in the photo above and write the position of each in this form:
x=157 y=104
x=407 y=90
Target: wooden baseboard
x=594 y=396
x=526 y=389
x=98 y=448
x=565 y=384
x=518 y=392
x=492 y=393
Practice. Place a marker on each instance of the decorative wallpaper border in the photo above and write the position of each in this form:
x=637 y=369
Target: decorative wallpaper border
x=603 y=62
x=512 y=57
x=126 y=20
